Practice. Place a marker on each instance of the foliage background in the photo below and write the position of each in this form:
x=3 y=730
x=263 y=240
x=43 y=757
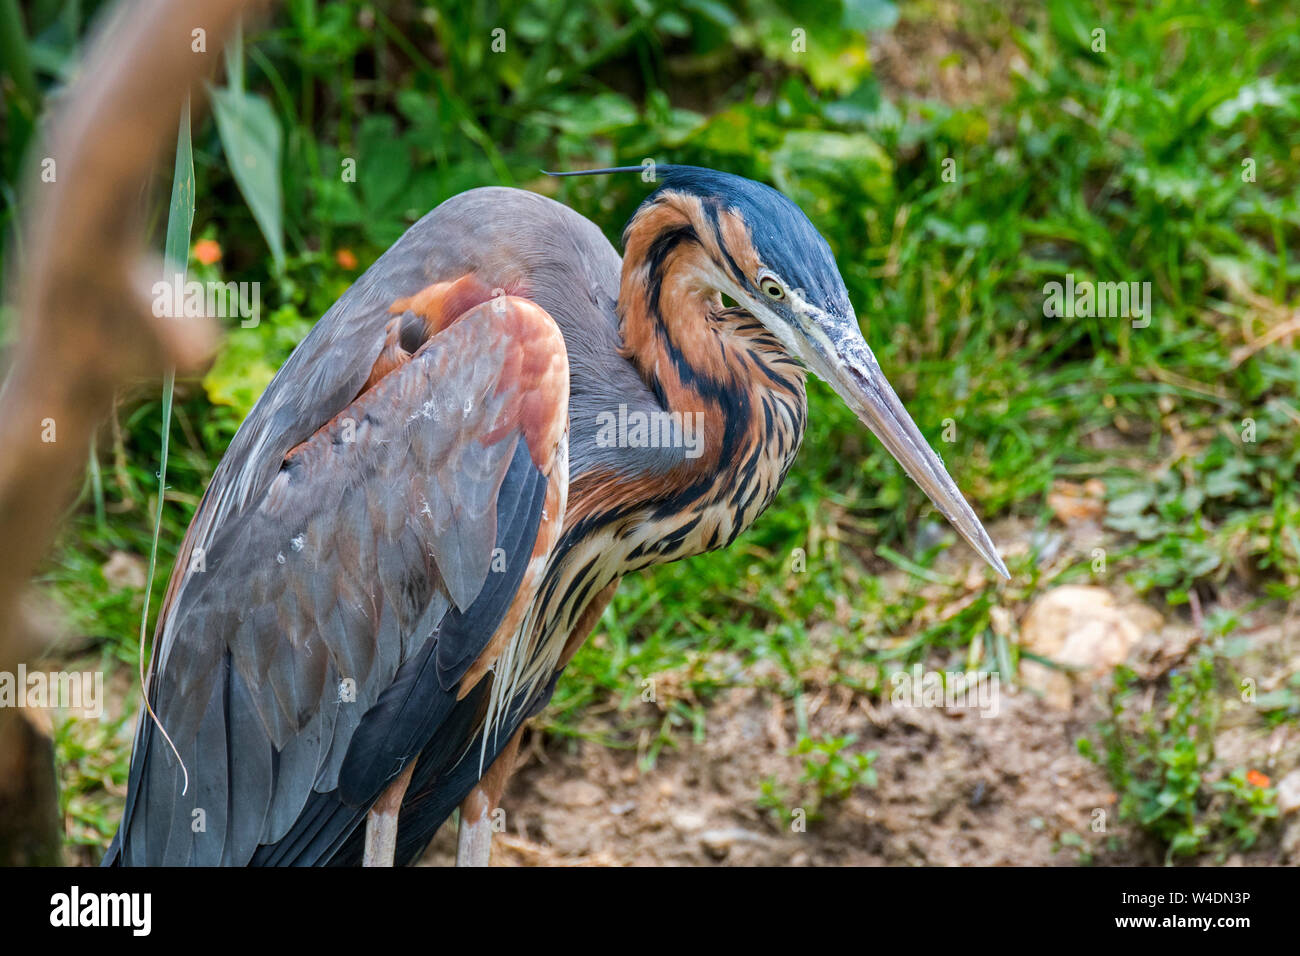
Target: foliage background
x=1122 y=165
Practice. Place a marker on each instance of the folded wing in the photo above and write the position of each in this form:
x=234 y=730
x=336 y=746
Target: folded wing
x=328 y=609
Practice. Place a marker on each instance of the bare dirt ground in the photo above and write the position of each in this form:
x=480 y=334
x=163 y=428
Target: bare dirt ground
x=954 y=787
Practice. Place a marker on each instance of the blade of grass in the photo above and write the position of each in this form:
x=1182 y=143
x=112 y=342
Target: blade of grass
x=180 y=222
x=912 y=568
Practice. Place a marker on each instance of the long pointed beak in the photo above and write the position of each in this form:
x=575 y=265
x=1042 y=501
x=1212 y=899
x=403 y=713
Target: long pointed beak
x=845 y=362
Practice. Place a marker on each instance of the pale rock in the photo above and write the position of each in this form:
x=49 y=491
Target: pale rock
x=688 y=821
x=1080 y=627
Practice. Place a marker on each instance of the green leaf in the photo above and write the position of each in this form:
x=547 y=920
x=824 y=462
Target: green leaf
x=240 y=374
x=599 y=115
x=822 y=167
x=180 y=212
x=251 y=137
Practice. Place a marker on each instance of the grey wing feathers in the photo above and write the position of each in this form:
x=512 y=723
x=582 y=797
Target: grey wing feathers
x=312 y=595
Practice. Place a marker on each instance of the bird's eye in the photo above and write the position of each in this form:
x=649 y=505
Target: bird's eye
x=771 y=288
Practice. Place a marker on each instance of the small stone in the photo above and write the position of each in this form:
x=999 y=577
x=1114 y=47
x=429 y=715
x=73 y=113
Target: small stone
x=1082 y=628
x=688 y=821
x=717 y=843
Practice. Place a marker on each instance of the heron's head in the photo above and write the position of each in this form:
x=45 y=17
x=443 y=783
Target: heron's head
x=748 y=242
x=759 y=249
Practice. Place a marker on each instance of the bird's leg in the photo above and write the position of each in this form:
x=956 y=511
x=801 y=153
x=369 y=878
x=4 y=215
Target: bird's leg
x=381 y=821
x=474 y=838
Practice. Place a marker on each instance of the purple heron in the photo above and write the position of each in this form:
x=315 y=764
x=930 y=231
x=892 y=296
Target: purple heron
x=431 y=505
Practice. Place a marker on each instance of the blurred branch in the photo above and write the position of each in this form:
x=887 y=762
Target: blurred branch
x=86 y=322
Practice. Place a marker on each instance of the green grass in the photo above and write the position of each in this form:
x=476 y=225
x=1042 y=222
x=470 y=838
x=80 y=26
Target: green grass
x=1162 y=763
x=1123 y=165
x=831 y=772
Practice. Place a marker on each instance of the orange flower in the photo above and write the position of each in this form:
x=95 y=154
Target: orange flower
x=1255 y=778
x=346 y=258
x=207 y=251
